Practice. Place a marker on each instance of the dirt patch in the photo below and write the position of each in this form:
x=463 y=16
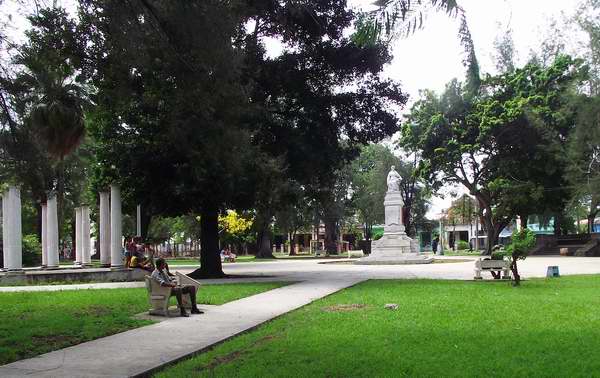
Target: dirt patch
x=344 y=307
x=54 y=340
x=94 y=310
x=221 y=360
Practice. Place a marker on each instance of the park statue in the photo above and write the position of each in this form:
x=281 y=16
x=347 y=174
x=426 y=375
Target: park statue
x=395 y=246
x=393 y=180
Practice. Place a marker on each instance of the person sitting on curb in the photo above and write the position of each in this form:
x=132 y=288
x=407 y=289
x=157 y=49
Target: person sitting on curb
x=161 y=276
x=140 y=261
x=227 y=256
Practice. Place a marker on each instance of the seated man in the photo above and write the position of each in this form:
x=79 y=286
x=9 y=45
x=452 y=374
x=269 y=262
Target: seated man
x=161 y=276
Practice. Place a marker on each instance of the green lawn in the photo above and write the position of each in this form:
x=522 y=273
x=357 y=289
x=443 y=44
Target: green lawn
x=441 y=328
x=50 y=283
x=32 y=323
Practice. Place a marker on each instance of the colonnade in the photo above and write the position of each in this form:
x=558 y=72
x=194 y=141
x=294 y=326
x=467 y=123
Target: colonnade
x=110 y=231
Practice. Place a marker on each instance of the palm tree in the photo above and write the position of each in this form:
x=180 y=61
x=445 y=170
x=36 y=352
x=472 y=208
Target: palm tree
x=56 y=100
x=57 y=120
x=393 y=18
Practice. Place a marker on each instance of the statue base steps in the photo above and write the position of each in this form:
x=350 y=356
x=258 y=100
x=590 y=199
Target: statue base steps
x=394 y=249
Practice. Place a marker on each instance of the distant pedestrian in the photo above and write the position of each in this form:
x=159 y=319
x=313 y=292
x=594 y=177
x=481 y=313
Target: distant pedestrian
x=434 y=244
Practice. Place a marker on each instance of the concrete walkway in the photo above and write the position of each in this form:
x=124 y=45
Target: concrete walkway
x=143 y=349
x=139 y=351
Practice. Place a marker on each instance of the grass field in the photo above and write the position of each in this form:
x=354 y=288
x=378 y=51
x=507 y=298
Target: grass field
x=33 y=323
x=441 y=328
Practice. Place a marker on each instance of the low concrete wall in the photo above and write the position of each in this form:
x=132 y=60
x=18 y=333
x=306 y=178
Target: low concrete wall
x=31 y=276
x=543 y=244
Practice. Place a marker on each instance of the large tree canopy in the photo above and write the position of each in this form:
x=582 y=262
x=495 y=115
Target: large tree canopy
x=505 y=146
x=188 y=123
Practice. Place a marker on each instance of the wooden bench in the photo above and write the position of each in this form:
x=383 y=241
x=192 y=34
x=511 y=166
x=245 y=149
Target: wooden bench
x=493 y=266
x=158 y=297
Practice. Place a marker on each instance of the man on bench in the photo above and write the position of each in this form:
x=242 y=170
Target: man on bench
x=160 y=275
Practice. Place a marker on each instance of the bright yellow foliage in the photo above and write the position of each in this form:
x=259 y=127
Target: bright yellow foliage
x=233 y=223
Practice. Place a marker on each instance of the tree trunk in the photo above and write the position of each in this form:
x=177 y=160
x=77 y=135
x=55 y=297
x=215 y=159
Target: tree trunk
x=590 y=219
x=368 y=233
x=491 y=238
x=331 y=237
x=38 y=221
x=60 y=198
x=210 y=258
x=594 y=205
x=146 y=218
x=524 y=221
x=264 y=244
x=264 y=237
x=291 y=237
x=515 y=272
x=411 y=231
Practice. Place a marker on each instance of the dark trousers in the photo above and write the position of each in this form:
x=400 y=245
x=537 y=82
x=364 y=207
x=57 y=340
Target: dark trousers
x=188 y=289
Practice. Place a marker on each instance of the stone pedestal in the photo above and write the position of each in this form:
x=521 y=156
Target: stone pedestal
x=394 y=247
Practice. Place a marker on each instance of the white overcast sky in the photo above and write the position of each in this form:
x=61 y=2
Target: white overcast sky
x=432 y=56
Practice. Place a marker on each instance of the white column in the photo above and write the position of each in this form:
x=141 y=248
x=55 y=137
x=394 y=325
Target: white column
x=6 y=228
x=116 y=230
x=15 y=246
x=104 y=228
x=78 y=236
x=86 y=241
x=44 y=235
x=139 y=220
x=52 y=233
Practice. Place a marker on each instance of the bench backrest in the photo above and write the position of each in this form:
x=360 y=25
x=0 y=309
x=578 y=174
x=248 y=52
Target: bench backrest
x=186 y=280
x=491 y=264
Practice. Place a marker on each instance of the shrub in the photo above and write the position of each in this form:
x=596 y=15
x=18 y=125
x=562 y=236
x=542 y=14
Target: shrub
x=32 y=250
x=521 y=243
x=377 y=234
x=462 y=245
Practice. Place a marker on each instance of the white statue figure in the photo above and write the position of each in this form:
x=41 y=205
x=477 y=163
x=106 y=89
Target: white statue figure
x=393 y=180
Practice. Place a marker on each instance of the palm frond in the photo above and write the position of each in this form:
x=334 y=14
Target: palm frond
x=399 y=18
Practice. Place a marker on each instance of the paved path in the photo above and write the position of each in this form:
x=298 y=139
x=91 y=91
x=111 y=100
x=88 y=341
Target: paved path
x=135 y=352
x=140 y=350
